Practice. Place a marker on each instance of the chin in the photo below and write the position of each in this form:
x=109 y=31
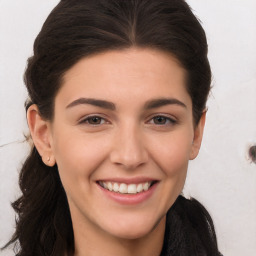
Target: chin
x=129 y=234
x=135 y=228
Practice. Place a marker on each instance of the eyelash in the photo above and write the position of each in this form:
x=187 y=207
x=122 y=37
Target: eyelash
x=168 y=120
x=87 y=119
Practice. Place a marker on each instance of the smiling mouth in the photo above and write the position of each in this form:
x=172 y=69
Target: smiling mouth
x=123 y=188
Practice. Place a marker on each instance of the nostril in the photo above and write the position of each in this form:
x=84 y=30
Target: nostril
x=252 y=153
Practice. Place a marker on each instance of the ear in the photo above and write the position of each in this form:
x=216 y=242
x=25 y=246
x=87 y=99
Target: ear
x=41 y=135
x=198 y=135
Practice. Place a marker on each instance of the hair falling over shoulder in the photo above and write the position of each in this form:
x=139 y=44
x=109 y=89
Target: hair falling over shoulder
x=43 y=225
x=189 y=230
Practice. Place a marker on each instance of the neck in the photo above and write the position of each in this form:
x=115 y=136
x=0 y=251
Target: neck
x=93 y=242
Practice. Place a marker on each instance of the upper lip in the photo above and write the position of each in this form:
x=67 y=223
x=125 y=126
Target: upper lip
x=134 y=180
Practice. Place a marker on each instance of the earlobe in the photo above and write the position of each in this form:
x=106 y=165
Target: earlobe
x=198 y=135
x=40 y=132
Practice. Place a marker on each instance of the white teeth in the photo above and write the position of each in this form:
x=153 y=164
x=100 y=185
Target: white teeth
x=132 y=189
x=116 y=187
x=109 y=186
x=146 y=186
x=139 y=188
x=124 y=188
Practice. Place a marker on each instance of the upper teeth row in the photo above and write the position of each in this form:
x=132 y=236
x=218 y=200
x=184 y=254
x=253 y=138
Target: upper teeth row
x=125 y=188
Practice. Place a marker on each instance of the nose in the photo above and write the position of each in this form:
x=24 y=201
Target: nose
x=128 y=148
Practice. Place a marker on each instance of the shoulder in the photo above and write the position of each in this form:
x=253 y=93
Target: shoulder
x=190 y=230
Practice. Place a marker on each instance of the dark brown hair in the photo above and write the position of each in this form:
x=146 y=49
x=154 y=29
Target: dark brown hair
x=74 y=30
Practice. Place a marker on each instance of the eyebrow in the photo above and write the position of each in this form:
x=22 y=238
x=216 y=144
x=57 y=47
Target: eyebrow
x=95 y=102
x=155 y=103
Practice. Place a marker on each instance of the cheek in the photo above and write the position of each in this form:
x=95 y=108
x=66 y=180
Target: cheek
x=172 y=153
x=77 y=158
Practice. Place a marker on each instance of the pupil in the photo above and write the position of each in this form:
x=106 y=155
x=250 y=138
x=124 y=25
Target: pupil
x=160 y=120
x=95 y=120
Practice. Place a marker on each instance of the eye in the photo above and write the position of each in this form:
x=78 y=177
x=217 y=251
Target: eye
x=93 y=120
x=162 y=120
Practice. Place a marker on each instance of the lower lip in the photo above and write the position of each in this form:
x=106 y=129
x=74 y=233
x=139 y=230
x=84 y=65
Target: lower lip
x=129 y=199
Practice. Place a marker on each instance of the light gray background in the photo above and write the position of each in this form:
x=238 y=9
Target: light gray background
x=222 y=177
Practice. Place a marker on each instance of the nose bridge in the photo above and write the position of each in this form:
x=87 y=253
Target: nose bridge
x=129 y=149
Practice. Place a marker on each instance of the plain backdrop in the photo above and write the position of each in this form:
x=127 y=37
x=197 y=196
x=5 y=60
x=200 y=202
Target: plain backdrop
x=222 y=177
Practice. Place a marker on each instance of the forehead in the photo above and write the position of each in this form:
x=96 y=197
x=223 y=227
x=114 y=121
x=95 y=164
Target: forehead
x=133 y=73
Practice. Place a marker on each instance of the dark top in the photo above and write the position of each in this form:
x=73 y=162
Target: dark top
x=189 y=230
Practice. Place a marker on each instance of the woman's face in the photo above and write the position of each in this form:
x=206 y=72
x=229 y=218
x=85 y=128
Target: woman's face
x=122 y=136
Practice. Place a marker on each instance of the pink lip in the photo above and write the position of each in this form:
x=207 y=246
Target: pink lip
x=129 y=199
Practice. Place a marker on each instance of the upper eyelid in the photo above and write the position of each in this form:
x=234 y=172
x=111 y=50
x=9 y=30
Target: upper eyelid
x=103 y=116
x=170 y=120
x=168 y=116
x=84 y=118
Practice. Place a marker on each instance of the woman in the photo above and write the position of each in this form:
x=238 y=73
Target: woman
x=117 y=94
